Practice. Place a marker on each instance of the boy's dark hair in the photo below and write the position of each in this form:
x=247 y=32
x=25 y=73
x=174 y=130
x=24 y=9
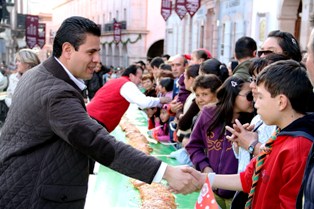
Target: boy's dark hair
x=245 y=47
x=132 y=69
x=257 y=65
x=288 y=43
x=156 y=62
x=211 y=82
x=167 y=83
x=271 y=58
x=192 y=71
x=214 y=66
x=140 y=62
x=165 y=66
x=289 y=78
x=74 y=30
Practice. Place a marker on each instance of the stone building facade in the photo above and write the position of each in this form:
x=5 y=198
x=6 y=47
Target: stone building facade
x=219 y=23
x=143 y=28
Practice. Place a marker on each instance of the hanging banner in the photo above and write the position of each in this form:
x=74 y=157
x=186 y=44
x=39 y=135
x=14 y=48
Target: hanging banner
x=31 y=32
x=192 y=6
x=166 y=9
x=180 y=8
x=41 y=39
x=116 y=32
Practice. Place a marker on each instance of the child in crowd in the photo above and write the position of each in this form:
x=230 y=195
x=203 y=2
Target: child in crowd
x=161 y=131
x=273 y=178
x=205 y=87
x=209 y=149
x=199 y=56
x=165 y=87
x=153 y=117
x=190 y=75
x=148 y=85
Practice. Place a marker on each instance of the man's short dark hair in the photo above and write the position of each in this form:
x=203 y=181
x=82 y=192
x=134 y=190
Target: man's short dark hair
x=167 y=56
x=156 y=62
x=74 y=30
x=245 y=47
x=140 y=62
x=289 y=78
x=165 y=66
x=132 y=69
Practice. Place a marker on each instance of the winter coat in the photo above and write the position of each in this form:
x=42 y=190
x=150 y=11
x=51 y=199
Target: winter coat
x=46 y=142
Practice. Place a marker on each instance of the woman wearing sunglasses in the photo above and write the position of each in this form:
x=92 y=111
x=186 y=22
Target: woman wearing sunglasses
x=209 y=149
x=280 y=42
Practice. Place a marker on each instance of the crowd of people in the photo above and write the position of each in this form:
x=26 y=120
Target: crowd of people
x=247 y=127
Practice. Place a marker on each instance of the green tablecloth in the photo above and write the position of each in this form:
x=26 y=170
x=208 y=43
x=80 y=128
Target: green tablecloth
x=109 y=189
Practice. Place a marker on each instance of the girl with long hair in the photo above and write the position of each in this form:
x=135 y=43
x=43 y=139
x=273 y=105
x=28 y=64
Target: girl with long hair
x=209 y=149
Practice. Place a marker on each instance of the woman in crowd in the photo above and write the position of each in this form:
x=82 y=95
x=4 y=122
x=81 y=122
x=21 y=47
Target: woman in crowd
x=280 y=42
x=25 y=60
x=214 y=66
x=148 y=85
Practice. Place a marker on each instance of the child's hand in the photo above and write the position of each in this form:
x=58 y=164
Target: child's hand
x=150 y=133
x=176 y=106
x=157 y=121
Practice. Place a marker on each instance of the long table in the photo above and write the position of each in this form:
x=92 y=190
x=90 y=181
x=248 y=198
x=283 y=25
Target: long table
x=109 y=189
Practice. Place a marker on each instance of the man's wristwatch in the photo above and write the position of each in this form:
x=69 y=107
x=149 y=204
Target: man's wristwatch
x=252 y=147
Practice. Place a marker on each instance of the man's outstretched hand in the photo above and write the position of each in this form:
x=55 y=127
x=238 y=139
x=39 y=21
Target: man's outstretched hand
x=184 y=179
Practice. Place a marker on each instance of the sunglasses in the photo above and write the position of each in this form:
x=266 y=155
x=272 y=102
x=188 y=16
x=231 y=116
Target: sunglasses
x=252 y=79
x=249 y=96
x=265 y=52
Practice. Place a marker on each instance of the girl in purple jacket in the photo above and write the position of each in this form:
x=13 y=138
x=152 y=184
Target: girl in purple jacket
x=209 y=149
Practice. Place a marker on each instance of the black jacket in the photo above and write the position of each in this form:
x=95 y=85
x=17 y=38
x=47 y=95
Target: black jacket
x=306 y=195
x=46 y=142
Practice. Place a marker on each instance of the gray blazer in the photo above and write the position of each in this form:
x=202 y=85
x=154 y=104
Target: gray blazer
x=47 y=139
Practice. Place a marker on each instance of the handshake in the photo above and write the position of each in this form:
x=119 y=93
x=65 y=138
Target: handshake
x=184 y=179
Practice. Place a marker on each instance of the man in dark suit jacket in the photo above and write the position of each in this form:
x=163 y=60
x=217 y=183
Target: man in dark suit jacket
x=48 y=136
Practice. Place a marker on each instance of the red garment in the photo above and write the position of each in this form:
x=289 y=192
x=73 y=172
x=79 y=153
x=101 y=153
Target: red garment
x=151 y=124
x=206 y=198
x=108 y=106
x=281 y=176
